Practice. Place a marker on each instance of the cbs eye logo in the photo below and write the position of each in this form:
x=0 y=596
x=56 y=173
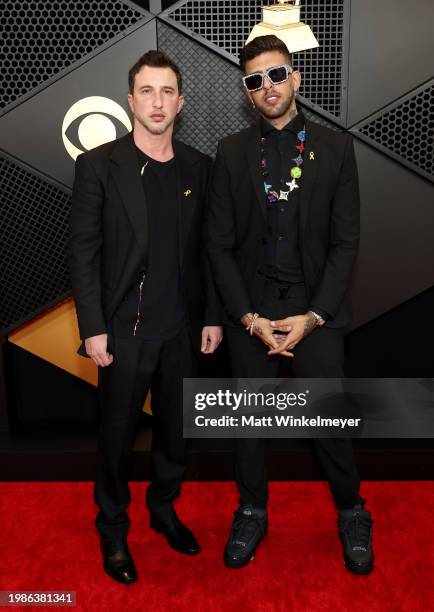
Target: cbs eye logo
x=96 y=127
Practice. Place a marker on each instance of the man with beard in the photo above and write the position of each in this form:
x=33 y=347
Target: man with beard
x=283 y=232
x=139 y=273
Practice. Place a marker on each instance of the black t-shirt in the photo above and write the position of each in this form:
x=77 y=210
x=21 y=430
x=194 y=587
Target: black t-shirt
x=161 y=305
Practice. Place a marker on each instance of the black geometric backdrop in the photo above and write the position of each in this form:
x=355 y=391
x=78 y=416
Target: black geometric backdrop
x=405 y=128
x=40 y=39
x=32 y=247
x=43 y=44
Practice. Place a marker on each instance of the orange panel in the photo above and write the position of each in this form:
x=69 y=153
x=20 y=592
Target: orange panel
x=54 y=336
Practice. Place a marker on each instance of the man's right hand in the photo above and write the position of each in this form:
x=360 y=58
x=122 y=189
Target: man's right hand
x=96 y=348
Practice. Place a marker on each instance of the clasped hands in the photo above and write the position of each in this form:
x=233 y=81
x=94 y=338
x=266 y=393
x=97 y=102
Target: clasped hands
x=283 y=335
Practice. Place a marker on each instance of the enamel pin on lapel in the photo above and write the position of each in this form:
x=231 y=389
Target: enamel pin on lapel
x=187 y=192
x=312 y=155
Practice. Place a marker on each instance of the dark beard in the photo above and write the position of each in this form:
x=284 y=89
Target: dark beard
x=285 y=110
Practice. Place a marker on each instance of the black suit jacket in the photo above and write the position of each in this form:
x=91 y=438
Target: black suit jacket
x=329 y=221
x=108 y=237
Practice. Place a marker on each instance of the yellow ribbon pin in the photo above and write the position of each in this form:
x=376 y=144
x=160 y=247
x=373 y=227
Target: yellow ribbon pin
x=312 y=155
x=187 y=193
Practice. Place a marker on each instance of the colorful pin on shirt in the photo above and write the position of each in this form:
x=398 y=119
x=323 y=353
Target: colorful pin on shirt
x=295 y=172
x=272 y=197
x=187 y=192
x=312 y=155
x=292 y=185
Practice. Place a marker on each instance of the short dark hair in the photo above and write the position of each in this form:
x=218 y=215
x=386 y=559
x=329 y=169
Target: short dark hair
x=155 y=59
x=262 y=44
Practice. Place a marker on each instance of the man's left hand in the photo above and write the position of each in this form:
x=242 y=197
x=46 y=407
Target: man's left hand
x=297 y=328
x=212 y=335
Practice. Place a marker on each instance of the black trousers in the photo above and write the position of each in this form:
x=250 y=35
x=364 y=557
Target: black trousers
x=318 y=355
x=139 y=366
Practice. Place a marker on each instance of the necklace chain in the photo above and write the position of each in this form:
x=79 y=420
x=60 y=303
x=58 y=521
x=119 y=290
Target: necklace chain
x=295 y=171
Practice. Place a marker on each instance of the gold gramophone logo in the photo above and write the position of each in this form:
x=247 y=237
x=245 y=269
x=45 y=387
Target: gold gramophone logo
x=97 y=125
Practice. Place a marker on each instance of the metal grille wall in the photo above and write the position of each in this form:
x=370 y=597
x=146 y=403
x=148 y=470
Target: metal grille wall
x=34 y=225
x=227 y=24
x=214 y=105
x=405 y=129
x=224 y=23
x=40 y=39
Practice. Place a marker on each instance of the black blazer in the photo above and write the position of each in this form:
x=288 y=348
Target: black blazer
x=329 y=221
x=108 y=238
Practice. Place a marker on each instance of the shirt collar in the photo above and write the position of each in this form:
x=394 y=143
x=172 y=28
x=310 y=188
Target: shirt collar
x=295 y=125
x=142 y=157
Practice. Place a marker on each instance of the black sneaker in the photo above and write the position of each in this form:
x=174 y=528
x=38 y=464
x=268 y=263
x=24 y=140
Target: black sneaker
x=249 y=526
x=355 y=532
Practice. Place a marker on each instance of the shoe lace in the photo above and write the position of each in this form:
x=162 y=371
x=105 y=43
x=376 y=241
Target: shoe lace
x=358 y=530
x=245 y=526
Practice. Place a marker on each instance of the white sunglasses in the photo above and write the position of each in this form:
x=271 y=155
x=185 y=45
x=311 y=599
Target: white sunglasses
x=276 y=74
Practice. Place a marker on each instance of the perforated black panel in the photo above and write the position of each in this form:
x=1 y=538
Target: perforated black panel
x=39 y=39
x=406 y=129
x=227 y=25
x=323 y=78
x=33 y=225
x=215 y=104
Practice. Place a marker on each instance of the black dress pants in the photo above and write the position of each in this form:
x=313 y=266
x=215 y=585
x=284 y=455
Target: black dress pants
x=139 y=366
x=318 y=355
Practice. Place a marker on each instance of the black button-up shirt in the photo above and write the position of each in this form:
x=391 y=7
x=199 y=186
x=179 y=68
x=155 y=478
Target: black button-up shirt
x=283 y=257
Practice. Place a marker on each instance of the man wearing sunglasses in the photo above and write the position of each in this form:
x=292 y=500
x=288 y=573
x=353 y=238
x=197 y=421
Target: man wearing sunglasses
x=283 y=231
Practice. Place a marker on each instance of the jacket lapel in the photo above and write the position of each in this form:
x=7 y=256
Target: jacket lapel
x=126 y=173
x=311 y=162
x=254 y=163
x=187 y=190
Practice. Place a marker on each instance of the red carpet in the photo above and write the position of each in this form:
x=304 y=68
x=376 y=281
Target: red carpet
x=48 y=542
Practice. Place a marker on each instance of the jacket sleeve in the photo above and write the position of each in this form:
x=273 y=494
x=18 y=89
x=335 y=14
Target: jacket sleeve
x=221 y=240
x=84 y=248
x=213 y=307
x=344 y=236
